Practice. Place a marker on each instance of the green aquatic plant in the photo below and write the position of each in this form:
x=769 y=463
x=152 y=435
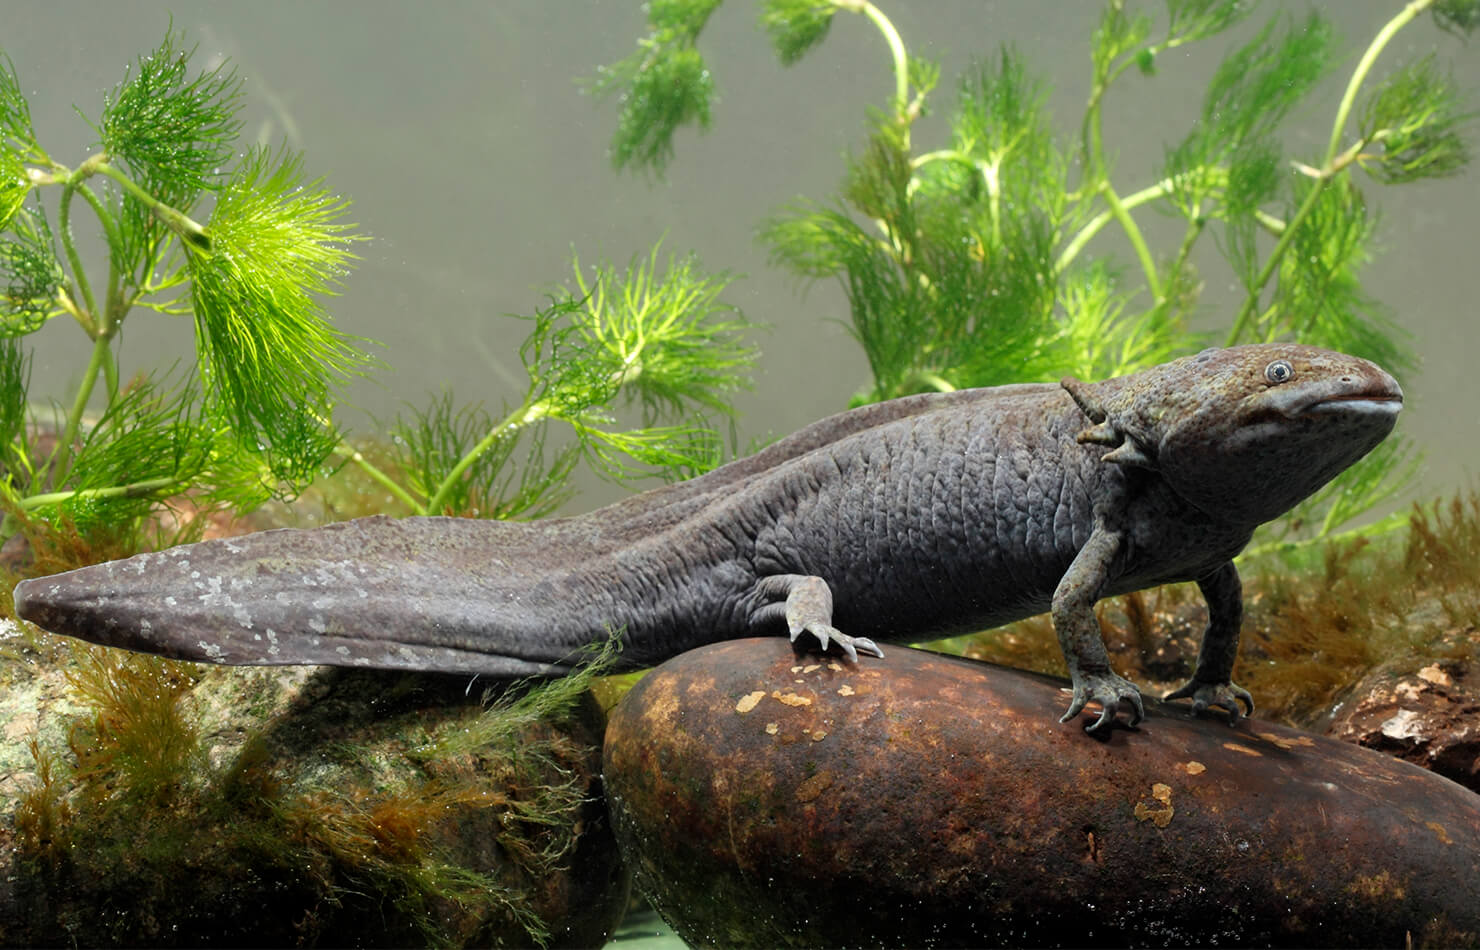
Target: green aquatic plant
x=978 y=261
x=248 y=249
x=254 y=419
x=657 y=338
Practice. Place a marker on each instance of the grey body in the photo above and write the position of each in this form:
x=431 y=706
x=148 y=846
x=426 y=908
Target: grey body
x=908 y=520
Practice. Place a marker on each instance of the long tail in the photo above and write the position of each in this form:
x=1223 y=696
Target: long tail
x=438 y=594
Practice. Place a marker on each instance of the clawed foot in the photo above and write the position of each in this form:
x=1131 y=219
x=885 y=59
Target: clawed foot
x=1108 y=689
x=851 y=646
x=1226 y=695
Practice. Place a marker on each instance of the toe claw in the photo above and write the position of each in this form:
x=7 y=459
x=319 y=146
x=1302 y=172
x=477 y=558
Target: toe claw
x=1226 y=695
x=1138 y=705
x=1109 y=690
x=828 y=636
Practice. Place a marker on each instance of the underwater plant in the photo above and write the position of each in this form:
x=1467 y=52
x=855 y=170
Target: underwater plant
x=255 y=419
x=380 y=813
x=657 y=337
x=968 y=263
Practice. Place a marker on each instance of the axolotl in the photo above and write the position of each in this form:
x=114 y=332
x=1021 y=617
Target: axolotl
x=907 y=520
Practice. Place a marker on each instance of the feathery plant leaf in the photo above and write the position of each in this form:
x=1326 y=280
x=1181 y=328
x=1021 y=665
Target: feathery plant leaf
x=1459 y=17
x=664 y=86
x=665 y=342
x=268 y=351
x=1251 y=93
x=1118 y=33
x=497 y=483
x=796 y=26
x=32 y=274
x=668 y=340
x=1319 y=297
x=16 y=132
x=1098 y=338
x=1414 y=116
x=14 y=185
x=174 y=134
x=1193 y=20
x=15 y=380
x=151 y=437
x=1256 y=86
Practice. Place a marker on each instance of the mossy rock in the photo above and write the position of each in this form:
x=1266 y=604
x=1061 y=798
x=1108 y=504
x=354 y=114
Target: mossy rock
x=167 y=804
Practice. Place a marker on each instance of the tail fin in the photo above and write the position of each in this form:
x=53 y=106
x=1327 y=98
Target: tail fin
x=436 y=594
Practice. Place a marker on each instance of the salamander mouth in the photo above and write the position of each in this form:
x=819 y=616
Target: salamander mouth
x=1374 y=404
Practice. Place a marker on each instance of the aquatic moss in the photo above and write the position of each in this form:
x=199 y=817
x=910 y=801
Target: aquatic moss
x=366 y=808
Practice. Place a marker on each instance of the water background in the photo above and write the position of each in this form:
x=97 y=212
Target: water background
x=460 y=133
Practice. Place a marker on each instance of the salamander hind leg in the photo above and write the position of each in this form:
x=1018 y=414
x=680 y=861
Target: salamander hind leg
x=806 y=603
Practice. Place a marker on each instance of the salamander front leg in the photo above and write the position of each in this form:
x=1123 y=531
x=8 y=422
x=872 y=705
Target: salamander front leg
x=1079 y=634
x=1212 y=681
x=808 y=607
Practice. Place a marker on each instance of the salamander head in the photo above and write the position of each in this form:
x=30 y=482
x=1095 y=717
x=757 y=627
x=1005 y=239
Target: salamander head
x=1246 y=433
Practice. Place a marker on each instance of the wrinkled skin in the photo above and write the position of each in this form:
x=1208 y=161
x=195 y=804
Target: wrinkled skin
x=911 y=519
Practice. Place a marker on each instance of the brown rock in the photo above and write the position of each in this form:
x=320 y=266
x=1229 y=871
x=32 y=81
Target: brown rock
x=766 y=800
x=1430 y=717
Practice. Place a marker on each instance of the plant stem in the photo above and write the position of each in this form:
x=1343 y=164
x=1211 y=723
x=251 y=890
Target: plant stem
x=346 y=451
x=133 y=490
x=1150 y=193
x=1392 y=522
x=69 y=246
x=525 y=415
x=1364 y=66
x=896 y=49
x=1133 y=233
x=101 y=354
x=190 y=232
x=1328 y=167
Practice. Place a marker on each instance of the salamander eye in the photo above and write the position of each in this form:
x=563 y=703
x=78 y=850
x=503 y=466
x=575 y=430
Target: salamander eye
x=1279 y=371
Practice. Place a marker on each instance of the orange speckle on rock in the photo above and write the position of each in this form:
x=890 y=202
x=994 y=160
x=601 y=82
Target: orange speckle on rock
x=749 y=700
x=772 y=728
x=1194 y=768
x=791 y=699
x=845 y=690
x=1435 y=675
x=1285 y=742
x=1438 y=830
x=1235 y=747
x=1158 y=810
x=813 y=786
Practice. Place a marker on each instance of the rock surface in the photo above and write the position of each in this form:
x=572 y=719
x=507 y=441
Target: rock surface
x=308 y=807
x=1430 y=718
x=768 y=799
